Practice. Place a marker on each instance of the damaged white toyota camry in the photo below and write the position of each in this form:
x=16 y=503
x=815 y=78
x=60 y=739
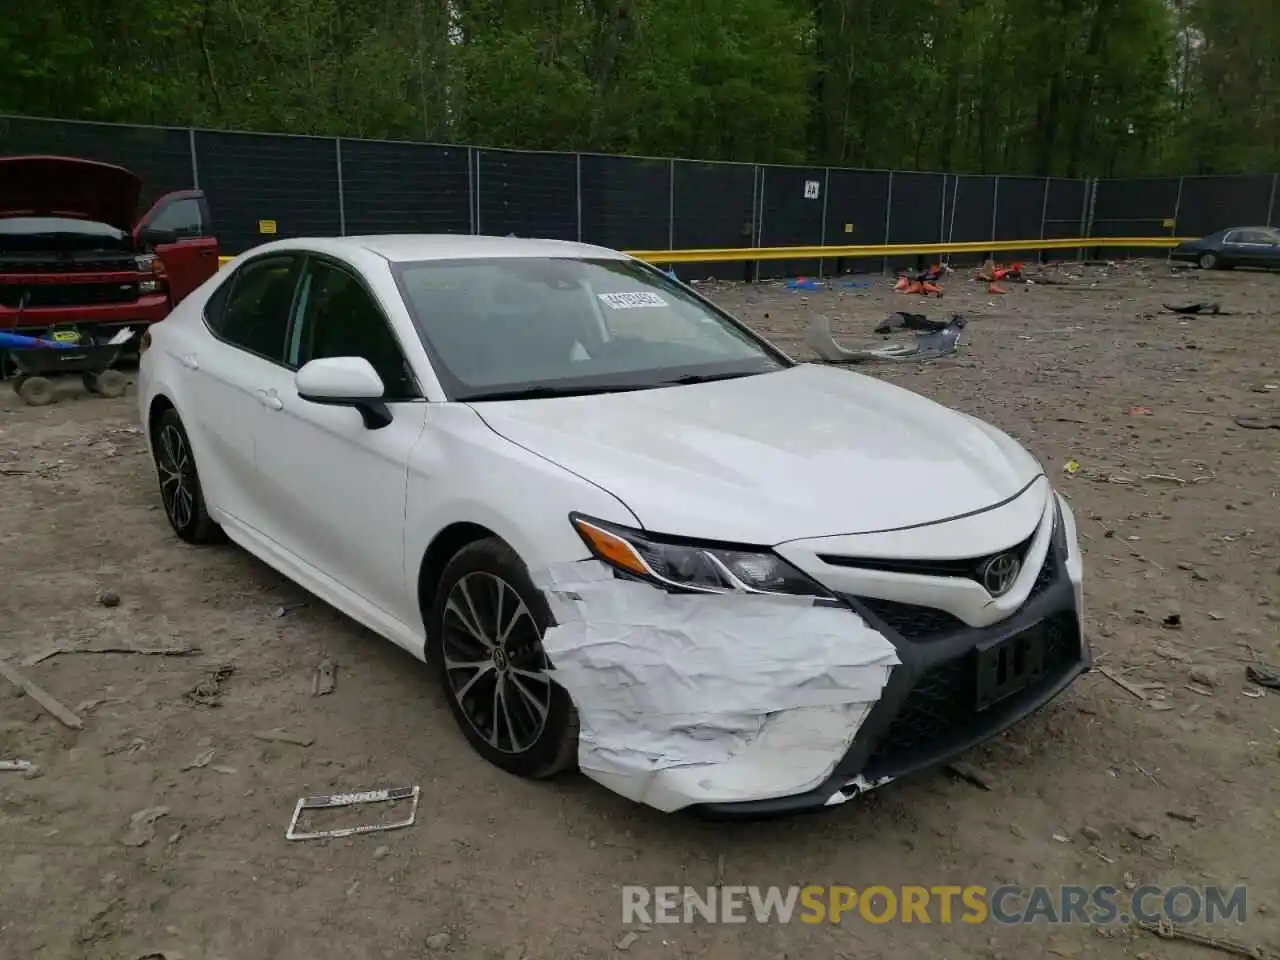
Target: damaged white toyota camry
x=626 y=532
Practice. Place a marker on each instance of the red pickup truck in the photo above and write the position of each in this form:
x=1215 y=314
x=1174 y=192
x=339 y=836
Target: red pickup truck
x=75 y=260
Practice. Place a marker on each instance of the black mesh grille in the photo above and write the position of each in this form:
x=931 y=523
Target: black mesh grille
x=1048 y=573
x=911 y=621
x=940 y=714
x=99 y=263
x=67 y=294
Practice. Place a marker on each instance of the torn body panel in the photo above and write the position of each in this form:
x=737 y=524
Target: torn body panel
x=708 y=699
x=756 y=706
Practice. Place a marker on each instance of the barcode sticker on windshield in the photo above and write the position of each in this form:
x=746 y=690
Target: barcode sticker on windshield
x=631 y=300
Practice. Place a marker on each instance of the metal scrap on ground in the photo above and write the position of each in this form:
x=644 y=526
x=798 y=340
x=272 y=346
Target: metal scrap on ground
x=350 y=800
x=901 y=320
x=926 y=346
x=1258 y=423
x=1190 y=309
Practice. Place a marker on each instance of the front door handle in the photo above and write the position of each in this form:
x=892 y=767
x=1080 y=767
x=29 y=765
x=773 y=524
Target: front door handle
x=190 y=362
x=270 y=400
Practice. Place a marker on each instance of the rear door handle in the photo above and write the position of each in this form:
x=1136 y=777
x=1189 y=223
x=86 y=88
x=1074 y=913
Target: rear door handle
x=190 y=362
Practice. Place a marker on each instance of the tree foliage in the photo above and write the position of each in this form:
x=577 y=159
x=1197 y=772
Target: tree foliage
x=1063 y=87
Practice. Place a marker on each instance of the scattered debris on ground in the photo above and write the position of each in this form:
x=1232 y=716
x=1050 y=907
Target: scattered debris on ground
x=63 y=715
x=925 y=346
x=325 y=680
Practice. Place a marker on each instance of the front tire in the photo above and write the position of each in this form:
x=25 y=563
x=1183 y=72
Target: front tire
x=1209 y=261
x=180 y=490
x=485 y=642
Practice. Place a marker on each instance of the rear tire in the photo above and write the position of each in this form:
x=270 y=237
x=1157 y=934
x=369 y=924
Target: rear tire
x=1209 y=261
x=35 y=391
x=180 y=491
x=485 y=643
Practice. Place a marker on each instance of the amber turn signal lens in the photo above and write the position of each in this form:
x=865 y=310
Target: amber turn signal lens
x=611 y=548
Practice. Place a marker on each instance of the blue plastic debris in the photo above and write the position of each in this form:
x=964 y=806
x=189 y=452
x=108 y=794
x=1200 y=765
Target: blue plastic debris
x=858 y=284
x=13 y=341
x=803 y=283
x=671 y=274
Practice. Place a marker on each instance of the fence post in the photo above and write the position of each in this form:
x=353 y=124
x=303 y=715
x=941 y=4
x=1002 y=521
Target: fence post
x=474 y=169
x=759 y=241
x=671 y=204
x=1087 y=196
x=955 y=196
x=195 y=164
x=578 y=178
x=1044 y=207
x=888 y=208
x=822 y=240
x=1044 y=216
x=995 y=208
x=1271 y=204
x=342 y=200
x=942 y=220
x=1177 y=207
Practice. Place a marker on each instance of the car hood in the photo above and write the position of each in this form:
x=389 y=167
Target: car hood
x=69 y=187
x=805 y=452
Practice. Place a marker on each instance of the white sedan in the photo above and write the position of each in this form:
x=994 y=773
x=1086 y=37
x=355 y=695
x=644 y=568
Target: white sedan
x=628 y=534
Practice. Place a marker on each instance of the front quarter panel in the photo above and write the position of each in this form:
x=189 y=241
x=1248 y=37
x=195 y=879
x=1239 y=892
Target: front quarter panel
x=463 y=472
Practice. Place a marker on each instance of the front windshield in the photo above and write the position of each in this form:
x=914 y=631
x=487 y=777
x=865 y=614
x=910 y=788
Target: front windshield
x=558 y=326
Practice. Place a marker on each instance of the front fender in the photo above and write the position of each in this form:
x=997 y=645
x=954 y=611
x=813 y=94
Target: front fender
x=463 y=472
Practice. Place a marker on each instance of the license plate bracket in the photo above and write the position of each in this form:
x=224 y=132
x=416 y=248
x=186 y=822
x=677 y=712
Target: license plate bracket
x=1009 y=666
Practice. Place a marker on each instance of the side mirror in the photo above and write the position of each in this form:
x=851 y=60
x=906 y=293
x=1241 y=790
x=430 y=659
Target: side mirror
x=153 y=237
x=345 y=382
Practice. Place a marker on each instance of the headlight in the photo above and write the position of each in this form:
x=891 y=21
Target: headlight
x=691 y=567
x=147 y=262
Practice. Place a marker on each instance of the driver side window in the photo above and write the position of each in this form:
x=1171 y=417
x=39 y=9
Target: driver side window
x=336 y=316
x=183 y=217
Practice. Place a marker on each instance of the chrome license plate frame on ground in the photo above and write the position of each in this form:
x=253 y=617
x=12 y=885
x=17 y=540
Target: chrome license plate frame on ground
x=389 y=794
x=1007 y=667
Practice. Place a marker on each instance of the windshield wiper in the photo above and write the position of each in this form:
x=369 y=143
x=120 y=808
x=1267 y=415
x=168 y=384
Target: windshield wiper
x=707 y=378
x=546 y=391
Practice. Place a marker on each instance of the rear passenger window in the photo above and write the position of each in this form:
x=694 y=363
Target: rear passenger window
x=255 y=315
x=216 y=304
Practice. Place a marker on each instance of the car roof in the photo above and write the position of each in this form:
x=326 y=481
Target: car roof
x=400 y=248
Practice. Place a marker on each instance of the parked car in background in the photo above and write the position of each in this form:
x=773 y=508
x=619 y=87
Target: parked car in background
x=1233 y=247
x=624 y=529
x=78 y=264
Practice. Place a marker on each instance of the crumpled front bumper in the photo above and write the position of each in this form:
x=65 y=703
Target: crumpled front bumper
x=753 y=706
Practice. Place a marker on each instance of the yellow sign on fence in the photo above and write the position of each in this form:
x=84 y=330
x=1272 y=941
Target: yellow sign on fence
x=267 y=227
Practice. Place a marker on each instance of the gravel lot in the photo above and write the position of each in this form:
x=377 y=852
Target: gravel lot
x=1178 y=511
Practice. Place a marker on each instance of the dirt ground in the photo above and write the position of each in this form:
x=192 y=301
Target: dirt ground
x=504 y=869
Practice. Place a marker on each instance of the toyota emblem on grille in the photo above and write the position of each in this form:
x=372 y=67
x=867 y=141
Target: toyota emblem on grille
x=999 y=572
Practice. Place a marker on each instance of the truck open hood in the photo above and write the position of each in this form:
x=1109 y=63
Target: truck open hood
x=69 y=187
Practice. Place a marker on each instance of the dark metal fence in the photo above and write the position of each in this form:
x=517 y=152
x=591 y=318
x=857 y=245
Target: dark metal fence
x=302 y=186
